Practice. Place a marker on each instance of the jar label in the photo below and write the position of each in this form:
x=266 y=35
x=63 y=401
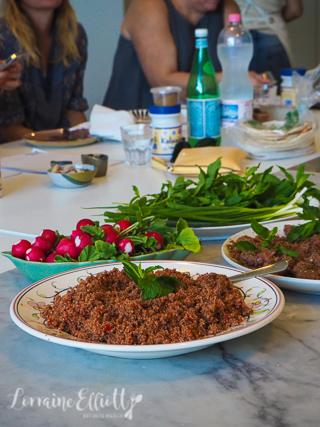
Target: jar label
x=165 y=139
x=203 y=118
x=288 y=96
x=234 y=111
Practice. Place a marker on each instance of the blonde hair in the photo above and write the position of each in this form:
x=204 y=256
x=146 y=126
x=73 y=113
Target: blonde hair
x=65 y=24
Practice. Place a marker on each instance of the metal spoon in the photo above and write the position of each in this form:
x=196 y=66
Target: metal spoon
x=269 y=269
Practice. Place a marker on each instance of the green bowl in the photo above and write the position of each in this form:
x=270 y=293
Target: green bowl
x=39 y=270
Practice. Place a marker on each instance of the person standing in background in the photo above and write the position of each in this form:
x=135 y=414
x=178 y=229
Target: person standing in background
x=51 y=92
x=266 y=20
x=157 y=45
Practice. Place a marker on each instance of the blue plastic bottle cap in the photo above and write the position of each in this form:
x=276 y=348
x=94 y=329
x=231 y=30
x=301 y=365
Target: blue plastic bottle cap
x=153 y=109
x=288 y=71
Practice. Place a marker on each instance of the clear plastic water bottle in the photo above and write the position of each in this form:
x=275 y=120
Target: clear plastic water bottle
x=235 y=50
x=203 y=103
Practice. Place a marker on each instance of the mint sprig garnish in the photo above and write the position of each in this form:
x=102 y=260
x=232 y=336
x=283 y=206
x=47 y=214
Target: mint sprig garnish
x=151 y=286
x=267 y=236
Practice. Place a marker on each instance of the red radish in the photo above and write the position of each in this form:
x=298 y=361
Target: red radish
x=76 y=233
x=19 y=248
x=42 y=243
x=111 y=235
x=51 y=257
x=158 y=238
x=126 y=246
x=82 y=241
x=84 y=222
x=122 y=225
x=35 y=254
x=50 y=235
x=67 y=246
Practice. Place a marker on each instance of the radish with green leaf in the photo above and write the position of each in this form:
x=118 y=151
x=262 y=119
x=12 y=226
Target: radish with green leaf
x=82 y=241
x=83 y=222
x=111 y=235
x=67 y=247
x=158 y=238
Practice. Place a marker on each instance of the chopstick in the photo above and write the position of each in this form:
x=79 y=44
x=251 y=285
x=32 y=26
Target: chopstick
x=5 y=168
x=17 y=233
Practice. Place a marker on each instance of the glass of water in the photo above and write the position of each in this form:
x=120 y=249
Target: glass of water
x=137 y=140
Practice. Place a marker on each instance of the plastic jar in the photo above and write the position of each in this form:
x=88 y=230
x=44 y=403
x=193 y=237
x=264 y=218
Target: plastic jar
x=287 y=92
x=166 y=125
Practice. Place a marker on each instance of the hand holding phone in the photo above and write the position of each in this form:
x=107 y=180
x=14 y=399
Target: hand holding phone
x=12 y=59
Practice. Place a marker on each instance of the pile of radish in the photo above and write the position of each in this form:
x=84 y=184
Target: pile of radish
x=122 y=238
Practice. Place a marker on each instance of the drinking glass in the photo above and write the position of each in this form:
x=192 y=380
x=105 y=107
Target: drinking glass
x=137 y=140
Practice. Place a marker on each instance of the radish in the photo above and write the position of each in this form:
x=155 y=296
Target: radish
x=158 y=238
x=42 y=243
x=82 y=241
x=19 y=248
x=122 y=225
x=51 y=257
x=126 y=246
x=84 y=222
x=67 y=246
x=50 y=235
x=35 y=254
x=76 y=233
x=111 y=235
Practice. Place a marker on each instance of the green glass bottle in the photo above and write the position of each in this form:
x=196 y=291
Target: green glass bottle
x=203 y=102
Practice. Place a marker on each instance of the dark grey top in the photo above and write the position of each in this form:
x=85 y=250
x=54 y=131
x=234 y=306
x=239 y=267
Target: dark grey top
x=128 y=86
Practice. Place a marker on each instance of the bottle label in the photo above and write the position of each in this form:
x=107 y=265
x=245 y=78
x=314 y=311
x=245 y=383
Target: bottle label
x=234 y=111
x=165 y=139
x=203 y=118
x=201 y=43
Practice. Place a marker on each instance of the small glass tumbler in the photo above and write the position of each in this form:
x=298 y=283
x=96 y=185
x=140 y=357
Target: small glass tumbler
x=137 y=140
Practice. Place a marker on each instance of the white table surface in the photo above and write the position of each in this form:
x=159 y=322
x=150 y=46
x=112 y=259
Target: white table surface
x=268 y=378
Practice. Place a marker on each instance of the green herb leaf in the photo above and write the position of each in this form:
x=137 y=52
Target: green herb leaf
x=288 y=251
x=151 y=286
x=246 y=246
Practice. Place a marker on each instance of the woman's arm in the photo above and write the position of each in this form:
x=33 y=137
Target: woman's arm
x=292 y=10
x=230 y=6
x=75 y=117
x=13 y=132
x=147 y=26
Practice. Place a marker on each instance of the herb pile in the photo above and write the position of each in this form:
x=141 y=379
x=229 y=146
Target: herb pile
x=218 y=199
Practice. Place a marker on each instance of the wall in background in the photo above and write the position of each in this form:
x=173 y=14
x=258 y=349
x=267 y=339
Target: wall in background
x=305 y=36
x=101 y=20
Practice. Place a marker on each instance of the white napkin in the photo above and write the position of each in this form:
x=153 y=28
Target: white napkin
x=106 y=122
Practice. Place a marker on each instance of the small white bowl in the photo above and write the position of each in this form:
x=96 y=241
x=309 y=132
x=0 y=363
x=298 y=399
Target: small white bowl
x=74 y=179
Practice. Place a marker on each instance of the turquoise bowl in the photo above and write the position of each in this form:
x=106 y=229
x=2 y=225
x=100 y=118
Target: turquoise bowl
x=39 y=270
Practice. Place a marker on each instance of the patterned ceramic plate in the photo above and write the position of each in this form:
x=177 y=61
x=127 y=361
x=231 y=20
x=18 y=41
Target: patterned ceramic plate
x=263 y=296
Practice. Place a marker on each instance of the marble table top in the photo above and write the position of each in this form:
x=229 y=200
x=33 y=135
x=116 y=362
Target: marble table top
x=268 y=378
